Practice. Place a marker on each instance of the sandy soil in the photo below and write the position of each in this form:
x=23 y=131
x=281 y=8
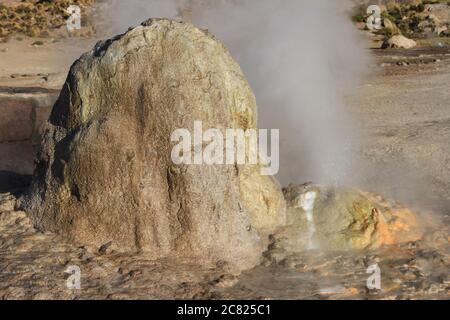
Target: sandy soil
x=25 y=64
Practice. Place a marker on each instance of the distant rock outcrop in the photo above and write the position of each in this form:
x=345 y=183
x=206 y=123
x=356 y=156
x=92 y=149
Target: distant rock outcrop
x=105 y=173
x=399 y=42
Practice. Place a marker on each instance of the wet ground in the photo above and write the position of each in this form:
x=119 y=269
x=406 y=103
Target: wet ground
x=33 y=265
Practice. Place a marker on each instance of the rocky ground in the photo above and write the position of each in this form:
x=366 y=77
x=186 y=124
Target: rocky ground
x=33 y=266
x=403 y=107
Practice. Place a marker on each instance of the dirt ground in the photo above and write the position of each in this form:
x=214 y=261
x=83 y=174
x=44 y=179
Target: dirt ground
x=25 y=64
x=404 y=109
x=33 y=266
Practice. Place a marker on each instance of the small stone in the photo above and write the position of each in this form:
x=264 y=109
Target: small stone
x=434 y=289
x=104 y=248
x=226 y=281
x=86 y=256
x=399 y=42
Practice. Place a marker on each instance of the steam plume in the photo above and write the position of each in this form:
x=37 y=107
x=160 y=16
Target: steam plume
x=301 y=58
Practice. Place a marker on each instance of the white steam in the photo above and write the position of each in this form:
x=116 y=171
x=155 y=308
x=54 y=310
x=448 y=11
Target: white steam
x=301 y=59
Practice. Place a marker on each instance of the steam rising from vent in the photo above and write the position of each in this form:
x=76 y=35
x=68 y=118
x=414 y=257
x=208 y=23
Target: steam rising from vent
x=301 y=59
x=307 y=203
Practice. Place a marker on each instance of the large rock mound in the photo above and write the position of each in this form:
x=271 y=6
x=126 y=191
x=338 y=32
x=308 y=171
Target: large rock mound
x=105 y=173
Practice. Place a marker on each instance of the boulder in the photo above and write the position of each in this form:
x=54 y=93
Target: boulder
x=399 y=42
x=104 y=173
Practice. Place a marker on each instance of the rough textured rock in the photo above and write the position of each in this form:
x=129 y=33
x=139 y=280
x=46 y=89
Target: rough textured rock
x=104 y=171
x=263 y=200
x=343 y=219
x=399 y=42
